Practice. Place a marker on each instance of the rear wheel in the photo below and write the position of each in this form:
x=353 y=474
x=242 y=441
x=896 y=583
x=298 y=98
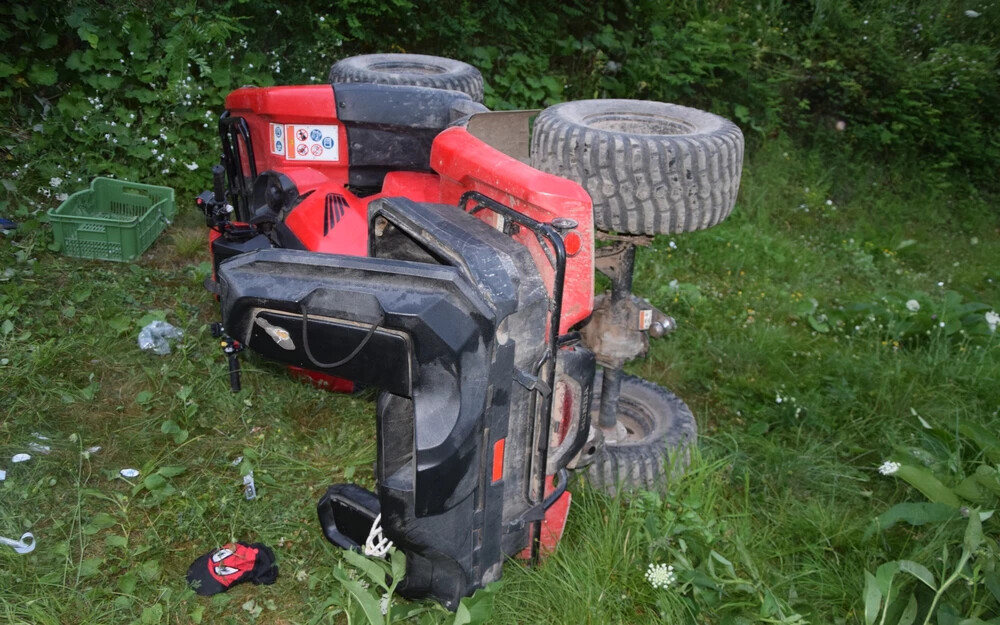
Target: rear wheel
x=649 y=167
x=418 y=70
x=654 y=433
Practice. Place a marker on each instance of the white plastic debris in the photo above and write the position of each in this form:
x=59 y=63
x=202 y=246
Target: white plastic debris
x=236 y=463
x=93 y=450
x=3 y=475
x=249 y=488
x=155 y=337
x=20 y=458
x=377 y=545
x=38 y=448
x=25 y=545
x=129 y=473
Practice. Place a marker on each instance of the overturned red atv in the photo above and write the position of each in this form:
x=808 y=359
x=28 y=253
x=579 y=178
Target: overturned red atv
x=390 y=231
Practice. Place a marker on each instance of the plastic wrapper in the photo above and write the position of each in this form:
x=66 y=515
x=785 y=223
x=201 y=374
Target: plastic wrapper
x=155 y=337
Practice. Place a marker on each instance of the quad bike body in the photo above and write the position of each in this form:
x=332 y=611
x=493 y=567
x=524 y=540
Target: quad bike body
x=395 y=235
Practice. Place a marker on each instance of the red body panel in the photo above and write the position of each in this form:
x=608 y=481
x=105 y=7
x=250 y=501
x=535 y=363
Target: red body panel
x=467 y=164
x=462 y=162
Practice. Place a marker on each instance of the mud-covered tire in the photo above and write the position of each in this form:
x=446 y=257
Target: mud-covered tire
x=662 y=431
x=418 y=70
x=649 y=167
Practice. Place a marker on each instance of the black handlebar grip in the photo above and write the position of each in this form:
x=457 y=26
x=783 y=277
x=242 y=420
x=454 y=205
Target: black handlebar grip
x=219 y=180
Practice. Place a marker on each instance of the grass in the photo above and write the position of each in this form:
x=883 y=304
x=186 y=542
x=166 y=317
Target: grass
x=784 y=492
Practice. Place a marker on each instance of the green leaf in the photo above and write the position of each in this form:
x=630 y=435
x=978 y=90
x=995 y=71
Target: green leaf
x=90 y=566
x=873 y=598
x=368 y=603
x=919 y=571
x=397 y=560
x=992 y=580
x=930 y=486
x=100 y=521
x=479 y=607
x=909 y=614
x=816 y=324
x=152 y=615
x=47 y=40
x=149 y=570
x=154 y=482
x=42 y=75
x=973 y=533
x=127 y=583
x=884 y=575
x=170 y=427
x=116 y=541
x=374 y=571
x=197 y=614
x=917 y=514
x=171 y=471
x=462 y=615
x=7 y=327
x=982 y=438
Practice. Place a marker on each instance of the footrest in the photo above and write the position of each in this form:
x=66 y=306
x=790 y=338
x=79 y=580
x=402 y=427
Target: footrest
x=346 y=513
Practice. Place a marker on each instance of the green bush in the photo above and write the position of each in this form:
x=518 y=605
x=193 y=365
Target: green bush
x=88 y=88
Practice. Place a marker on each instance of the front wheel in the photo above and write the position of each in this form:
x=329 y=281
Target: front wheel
x=655 y=431
x=418 y=70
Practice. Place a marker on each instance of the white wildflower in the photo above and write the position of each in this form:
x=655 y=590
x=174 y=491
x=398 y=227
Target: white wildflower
x=829 y=202
x=889 y=467
x=278 y=12
x=383 y=604
x=993 y=319
x=55 y=182
x=192 y=166
x=912 y=305
x=660 y=575
x=971 y=13
x=322 y=19
x=62 y=197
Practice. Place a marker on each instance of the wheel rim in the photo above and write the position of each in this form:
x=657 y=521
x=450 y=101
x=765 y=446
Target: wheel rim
x=639 y=124
x=637 y=422
x=402 y=67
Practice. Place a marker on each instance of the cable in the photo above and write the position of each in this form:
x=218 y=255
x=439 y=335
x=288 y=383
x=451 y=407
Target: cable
x=346 y=359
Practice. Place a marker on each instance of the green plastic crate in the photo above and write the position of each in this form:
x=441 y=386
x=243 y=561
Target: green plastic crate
x=112 y=220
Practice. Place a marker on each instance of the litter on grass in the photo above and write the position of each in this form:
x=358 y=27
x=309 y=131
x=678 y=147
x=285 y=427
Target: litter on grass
x=20 y=458
x=3 y=475
x=156 y=337
x=129 y=473
x=38 y=448
x=249 y=488
x=25 y=545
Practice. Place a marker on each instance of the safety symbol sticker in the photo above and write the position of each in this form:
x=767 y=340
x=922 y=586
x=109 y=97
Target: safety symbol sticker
x=306 y=142
x=277 y=139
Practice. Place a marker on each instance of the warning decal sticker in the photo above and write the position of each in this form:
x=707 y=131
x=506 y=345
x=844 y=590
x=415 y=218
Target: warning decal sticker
x=305 y=142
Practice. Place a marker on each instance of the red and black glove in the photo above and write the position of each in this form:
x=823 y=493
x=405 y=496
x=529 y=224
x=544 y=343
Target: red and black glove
x=220 y=569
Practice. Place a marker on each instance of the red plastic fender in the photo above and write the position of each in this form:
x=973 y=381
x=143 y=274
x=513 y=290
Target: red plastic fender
x=466 y=163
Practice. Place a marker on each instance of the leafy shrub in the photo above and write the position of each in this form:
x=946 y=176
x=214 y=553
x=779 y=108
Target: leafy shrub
x=958 y=471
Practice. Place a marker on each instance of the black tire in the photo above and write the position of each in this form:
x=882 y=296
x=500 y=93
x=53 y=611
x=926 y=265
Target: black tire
x=649 y=167
x=661 y=431
x=418 y=70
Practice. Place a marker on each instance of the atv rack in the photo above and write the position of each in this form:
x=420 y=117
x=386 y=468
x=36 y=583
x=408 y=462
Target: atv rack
x=543 y=232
